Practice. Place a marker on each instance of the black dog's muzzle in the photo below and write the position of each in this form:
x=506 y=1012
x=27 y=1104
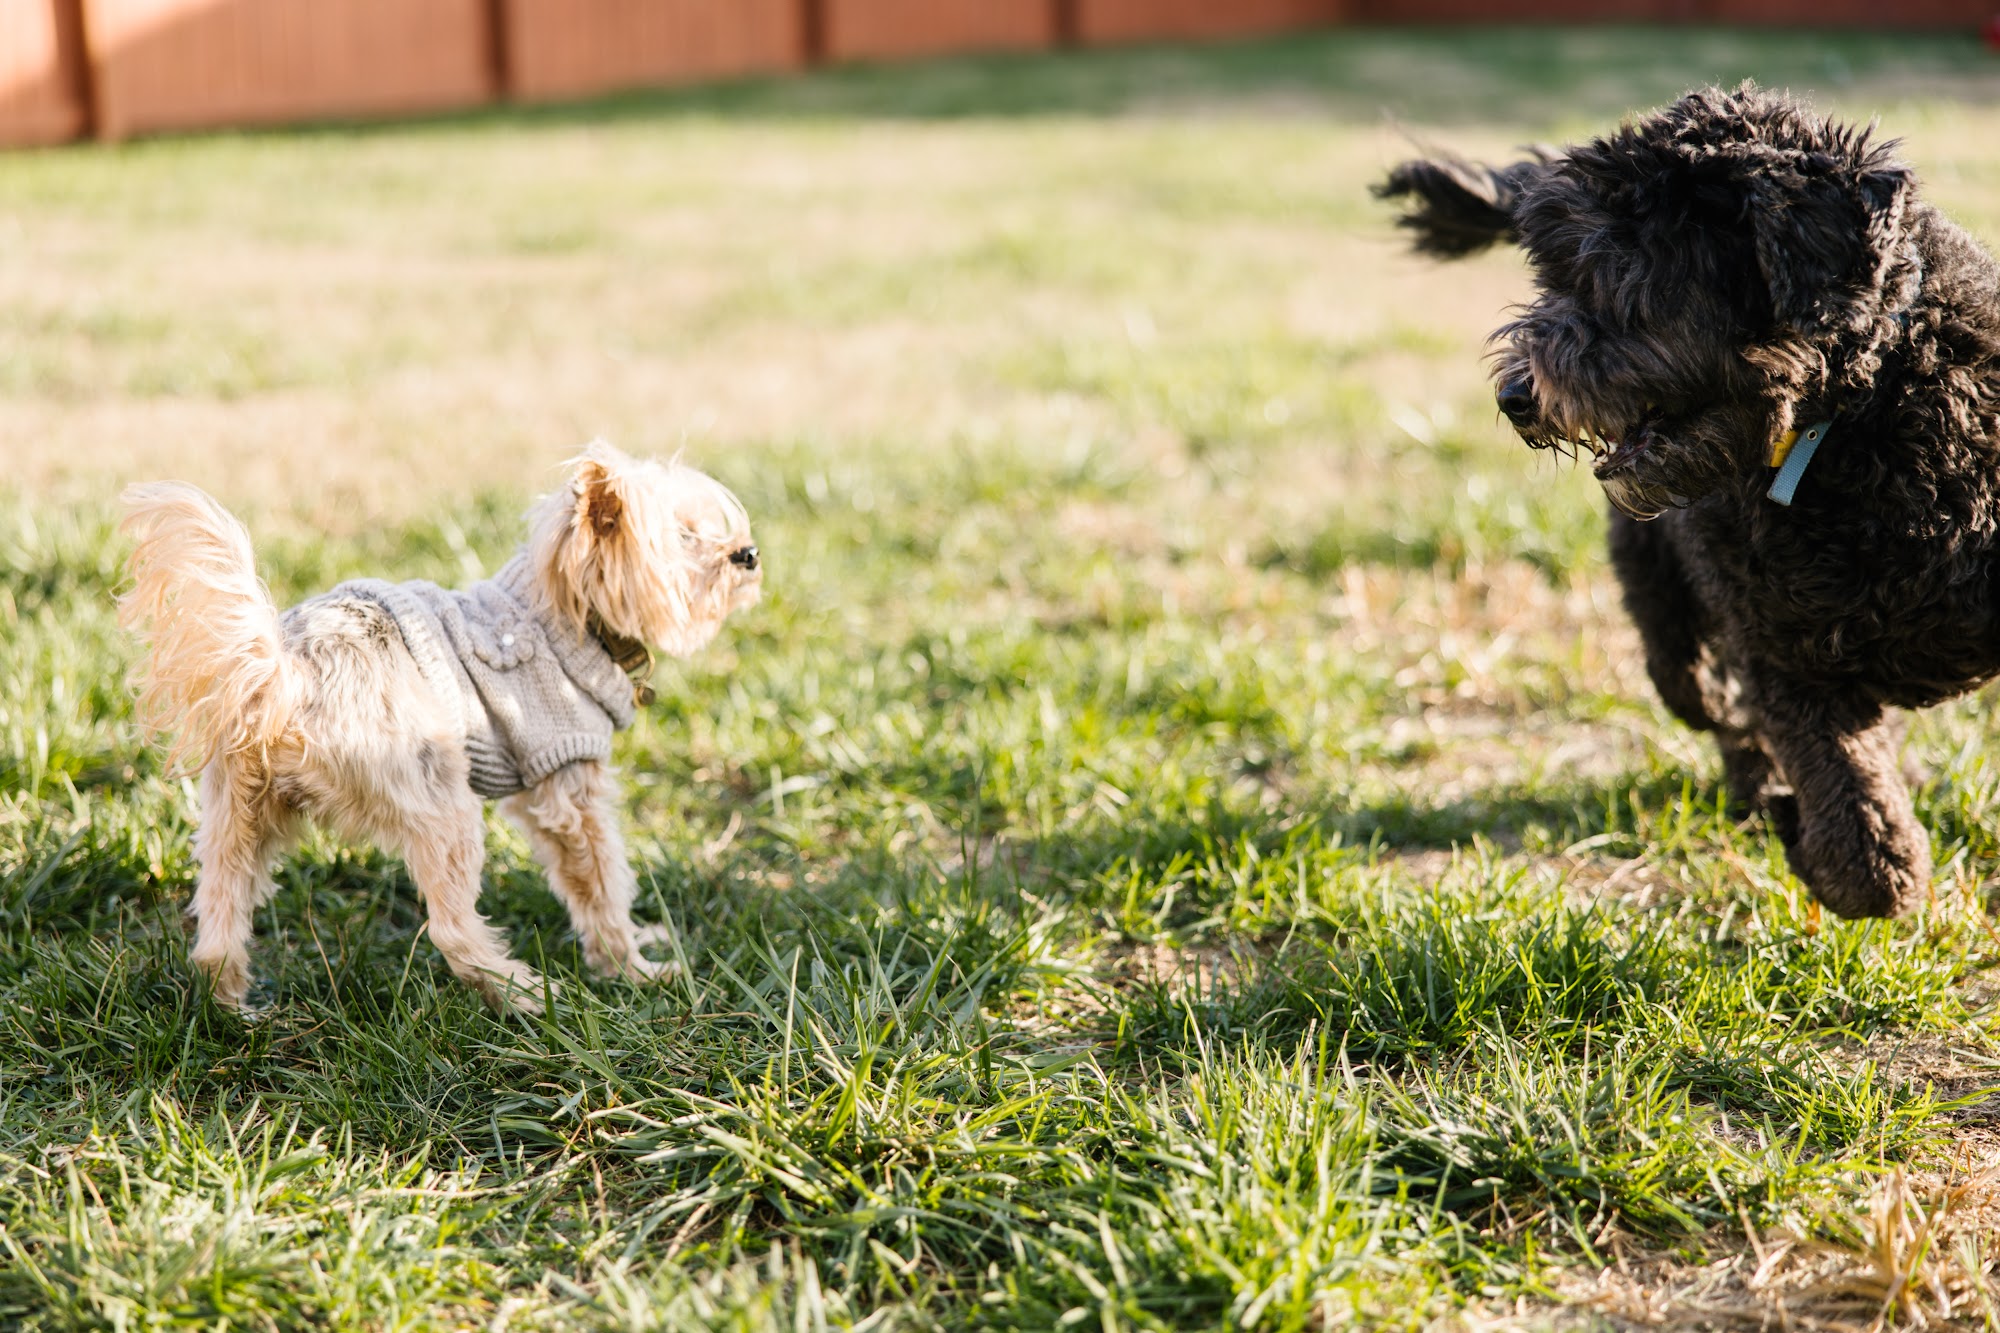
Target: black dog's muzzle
x=1621 y=471
x=1638 y=499
x=1623 y=475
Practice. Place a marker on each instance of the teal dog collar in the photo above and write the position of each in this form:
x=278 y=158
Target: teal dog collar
x=1793 y=454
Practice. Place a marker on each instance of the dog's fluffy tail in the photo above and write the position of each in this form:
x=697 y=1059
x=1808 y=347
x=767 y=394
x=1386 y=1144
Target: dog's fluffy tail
x=1460 y=207
x=215 y=674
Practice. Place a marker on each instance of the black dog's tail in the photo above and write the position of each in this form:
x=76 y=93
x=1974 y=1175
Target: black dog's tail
x=1460 y=207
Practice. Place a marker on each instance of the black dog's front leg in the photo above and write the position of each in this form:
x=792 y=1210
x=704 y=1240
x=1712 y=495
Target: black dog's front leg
x=1854 y=837
x=1675 y=628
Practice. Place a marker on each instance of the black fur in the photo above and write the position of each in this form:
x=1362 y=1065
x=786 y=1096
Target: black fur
x=1711 y=277
x=1459 y=207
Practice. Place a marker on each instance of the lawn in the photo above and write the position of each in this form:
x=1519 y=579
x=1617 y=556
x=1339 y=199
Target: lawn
x=1185 y=842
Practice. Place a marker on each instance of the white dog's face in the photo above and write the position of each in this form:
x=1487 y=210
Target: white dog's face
x=658 y=552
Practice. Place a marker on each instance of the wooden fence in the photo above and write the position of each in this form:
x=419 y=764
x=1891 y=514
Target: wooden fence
x=112 y=68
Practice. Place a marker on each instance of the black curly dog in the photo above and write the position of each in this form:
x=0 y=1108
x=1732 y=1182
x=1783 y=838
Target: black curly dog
x=1786 y=369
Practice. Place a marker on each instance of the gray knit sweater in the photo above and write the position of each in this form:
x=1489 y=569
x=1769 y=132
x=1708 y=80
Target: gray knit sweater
x=535 y=692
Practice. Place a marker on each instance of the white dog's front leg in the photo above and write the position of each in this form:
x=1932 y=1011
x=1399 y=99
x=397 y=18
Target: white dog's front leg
x=571 y=820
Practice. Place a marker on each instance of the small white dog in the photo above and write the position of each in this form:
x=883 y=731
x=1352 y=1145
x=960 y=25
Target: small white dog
x=387 y=711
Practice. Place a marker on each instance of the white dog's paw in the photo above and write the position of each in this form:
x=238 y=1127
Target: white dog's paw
x=643 y=968
x=609 y=960
x=520 y=989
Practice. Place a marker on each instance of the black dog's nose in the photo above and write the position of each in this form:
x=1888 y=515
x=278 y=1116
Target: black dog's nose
x=1517 y=401
x=744 y=557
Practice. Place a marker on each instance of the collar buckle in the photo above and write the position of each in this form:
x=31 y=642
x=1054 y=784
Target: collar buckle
x=631 y=656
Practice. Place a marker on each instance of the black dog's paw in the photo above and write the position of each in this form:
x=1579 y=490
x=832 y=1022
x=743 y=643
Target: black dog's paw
x=1864 y=871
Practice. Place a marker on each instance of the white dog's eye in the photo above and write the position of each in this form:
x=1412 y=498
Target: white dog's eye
x=744 y=557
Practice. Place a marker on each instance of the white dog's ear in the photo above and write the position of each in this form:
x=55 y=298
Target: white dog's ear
x=598 y=486
x=582 y=538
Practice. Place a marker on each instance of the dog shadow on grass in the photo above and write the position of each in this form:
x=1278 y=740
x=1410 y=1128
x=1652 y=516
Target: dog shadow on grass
x=354 y=913
x=1129 y=919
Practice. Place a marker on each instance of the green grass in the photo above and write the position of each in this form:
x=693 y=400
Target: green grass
x=1186 y=841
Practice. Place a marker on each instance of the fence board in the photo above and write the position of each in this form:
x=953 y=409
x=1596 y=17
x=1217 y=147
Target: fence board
x=168 y=64
x=1521 y=11
x=173 y=64
x=1142 y=20
x=1967 y=14
x=40 y=55
x=899 y=29
x=573 y=48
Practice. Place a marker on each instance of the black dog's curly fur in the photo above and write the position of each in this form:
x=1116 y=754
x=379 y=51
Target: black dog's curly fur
x=1711 y=277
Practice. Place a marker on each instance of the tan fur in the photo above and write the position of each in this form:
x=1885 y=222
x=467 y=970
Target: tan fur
x=322 y=712
x=636 y=542
x=571 y=821
x=216 y=674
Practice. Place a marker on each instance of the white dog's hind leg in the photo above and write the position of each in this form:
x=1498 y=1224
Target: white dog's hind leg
x=571 y=821
x=233 y=847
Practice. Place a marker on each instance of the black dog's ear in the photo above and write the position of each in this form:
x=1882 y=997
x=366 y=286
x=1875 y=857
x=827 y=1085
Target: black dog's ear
x=1825 y=242
x=1461 y=207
